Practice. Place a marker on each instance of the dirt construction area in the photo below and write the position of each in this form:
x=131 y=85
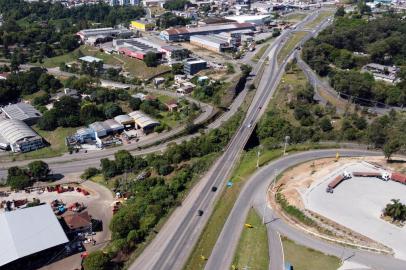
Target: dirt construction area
x=356 y=204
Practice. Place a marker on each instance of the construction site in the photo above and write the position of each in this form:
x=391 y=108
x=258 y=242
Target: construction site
x=342 y=200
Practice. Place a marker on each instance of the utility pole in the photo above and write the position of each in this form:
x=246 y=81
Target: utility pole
x=286 y=143
x=258 y=154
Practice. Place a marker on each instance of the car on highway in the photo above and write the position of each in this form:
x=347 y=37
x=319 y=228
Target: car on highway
x=200 y=213
x=214 y=189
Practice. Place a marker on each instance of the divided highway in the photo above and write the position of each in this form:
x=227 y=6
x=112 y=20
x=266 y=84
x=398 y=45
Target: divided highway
x=173 y=244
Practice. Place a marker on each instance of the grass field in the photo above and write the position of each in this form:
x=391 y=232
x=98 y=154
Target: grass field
x=294 y=17
x=260 y=53
x=320 y=17
x=290 y=44
x=134 y=66
x=252 y=250
x=303 y=258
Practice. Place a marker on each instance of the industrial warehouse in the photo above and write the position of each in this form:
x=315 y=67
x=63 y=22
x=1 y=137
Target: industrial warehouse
x=184 y=33
x=15 y=133
x=114 y=131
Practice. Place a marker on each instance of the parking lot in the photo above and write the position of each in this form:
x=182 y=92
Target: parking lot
x=357 y=204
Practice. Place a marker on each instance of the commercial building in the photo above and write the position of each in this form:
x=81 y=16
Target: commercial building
x=113 y=126
x=125 y=120
x=22 y=111
x=136 y=47
x=90 y=59
x=143 y=121
x=124 y=2
x=255 y=19
x=18 y=136
x=213 y=43
x=142 y=25
x=172 y=52
x=28 y=231
x=100 y=35
x=99 y=128
x=78 y=222
x=84 y=134
x=184 y=33
x=194 y=66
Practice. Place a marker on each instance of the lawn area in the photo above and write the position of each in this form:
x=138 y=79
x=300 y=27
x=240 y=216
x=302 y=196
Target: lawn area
x=294 y=17
x=57 y=140
x=291 y=82
x=290 y=44
x=138 y=68
x=303 y=258
x=134 y=66
x=320 y=17
x=260 y=53
x=252 y=250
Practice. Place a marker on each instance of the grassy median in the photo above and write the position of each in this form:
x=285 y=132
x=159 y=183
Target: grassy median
x=290 y=44
x=252 y=251
x=319 y=19
x=303 y=258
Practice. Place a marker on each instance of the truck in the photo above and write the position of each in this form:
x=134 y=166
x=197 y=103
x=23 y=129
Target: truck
x=337 y=180
x=381 y=175
x=398 y=177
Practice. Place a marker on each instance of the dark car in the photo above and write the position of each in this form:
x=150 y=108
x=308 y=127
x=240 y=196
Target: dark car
x=200 y=213
x=214 y=189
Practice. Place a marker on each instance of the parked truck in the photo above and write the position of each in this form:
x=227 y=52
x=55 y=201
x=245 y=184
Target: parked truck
x=337 y=180
x=381 y=175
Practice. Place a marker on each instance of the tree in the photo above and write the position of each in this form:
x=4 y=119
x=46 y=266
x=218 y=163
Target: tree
x=246 y=70
x=38 y=170
x=390 y=147
x=325 y=124
x=124 y=161
x=111 y=110
x=135 y=104
x=18 y=182
x=48 y=121
x=97 y=261
x=340 y=12
x=90 y=113
x=151 y=59
x=396 y=210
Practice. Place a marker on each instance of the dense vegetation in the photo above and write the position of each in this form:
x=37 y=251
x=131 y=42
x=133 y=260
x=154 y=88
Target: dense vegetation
x=152 y=196
x=176 y=4
x=351 y=42
x=27 y=83
x=34 y=30
x=169 y=19
x=20 y=178
x=303 y=120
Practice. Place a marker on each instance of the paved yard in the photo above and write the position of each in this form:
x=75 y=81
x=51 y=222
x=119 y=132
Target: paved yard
x=357 y=204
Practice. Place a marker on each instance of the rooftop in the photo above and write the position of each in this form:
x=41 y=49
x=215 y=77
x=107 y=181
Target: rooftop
x=90 y=59
x=142 y=119
x=27 y=231
x=21 y=111
x=77 y=220
x=208 y=28
x=13 y=130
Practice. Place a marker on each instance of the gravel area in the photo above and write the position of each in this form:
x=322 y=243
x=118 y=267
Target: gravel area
x=357 y=203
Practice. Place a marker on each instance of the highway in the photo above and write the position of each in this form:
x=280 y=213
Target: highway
x=173 y=244
x=254 y=195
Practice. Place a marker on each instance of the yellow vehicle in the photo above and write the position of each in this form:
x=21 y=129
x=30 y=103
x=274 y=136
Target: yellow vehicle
x=247 y=225
x=203 y=258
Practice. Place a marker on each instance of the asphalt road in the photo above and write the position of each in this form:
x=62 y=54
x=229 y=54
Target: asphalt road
x=173 y=244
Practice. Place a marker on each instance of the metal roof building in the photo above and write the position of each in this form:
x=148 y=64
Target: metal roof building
x=113 y=126
x=124 y=119
x=143 y=121
x=99 y=128
x=184 y=33
x=22 y=111
x=19 y=136
x=28 y=231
